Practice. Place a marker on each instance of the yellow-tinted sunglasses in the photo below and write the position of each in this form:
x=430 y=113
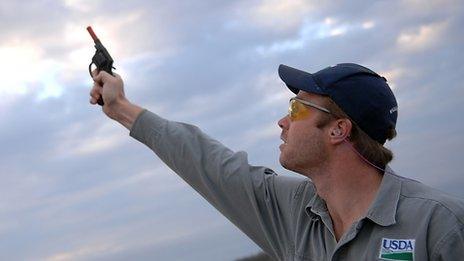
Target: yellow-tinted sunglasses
x=297 y=109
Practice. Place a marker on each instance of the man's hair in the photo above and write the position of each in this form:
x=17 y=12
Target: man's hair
x=370 y=149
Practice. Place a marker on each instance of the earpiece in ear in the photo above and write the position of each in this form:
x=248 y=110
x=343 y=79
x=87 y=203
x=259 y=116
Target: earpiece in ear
x=337 y=132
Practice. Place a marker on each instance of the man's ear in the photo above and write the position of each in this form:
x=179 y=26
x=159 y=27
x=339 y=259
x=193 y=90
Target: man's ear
x=340 y=130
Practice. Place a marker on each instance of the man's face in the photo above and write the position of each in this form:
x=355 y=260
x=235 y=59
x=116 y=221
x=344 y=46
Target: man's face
x=305 y=145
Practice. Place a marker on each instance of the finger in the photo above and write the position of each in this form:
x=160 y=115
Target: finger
x=94 y=72
x=102 y=77
x=97 y=85
x=97 y=78
x=95 y=95
x=91 y=89
x=96 y=91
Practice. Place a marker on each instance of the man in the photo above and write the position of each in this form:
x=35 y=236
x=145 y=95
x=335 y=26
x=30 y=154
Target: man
x=353 y=207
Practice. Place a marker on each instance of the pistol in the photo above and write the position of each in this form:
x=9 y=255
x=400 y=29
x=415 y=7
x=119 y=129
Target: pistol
x=102 y=59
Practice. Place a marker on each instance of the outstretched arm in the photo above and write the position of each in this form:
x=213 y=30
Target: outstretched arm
x=254 y=198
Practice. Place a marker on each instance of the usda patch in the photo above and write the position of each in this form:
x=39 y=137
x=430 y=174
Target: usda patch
x=397 y=249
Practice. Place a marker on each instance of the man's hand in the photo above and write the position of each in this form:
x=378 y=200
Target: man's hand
x=110 y=88
x=116 y=106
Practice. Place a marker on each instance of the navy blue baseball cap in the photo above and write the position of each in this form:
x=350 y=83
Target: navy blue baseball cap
x=360 y=92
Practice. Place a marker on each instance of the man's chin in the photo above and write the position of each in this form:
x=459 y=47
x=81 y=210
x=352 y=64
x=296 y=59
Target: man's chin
x=289 y=164
x=283 y=162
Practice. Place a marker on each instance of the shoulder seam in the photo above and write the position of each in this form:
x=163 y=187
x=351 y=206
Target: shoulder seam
x=300 y=188
x=444 y=239
x=439 y=203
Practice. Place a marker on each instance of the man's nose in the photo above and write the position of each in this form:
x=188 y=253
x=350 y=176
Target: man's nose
x=284 y=122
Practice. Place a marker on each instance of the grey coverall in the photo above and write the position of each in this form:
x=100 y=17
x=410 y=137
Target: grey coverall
x=289 y=221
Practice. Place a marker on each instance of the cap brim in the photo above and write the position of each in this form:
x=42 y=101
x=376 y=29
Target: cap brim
x=297 y=80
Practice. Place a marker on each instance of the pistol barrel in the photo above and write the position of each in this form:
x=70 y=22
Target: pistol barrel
x=94 y=36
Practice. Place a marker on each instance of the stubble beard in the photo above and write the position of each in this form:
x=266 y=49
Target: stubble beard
x=305 y=157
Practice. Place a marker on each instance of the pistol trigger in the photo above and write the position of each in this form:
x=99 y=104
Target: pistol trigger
x=90 y=70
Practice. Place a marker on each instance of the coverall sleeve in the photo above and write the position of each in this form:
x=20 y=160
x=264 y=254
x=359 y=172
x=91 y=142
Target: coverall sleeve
x=254 y=198
x=451 y=247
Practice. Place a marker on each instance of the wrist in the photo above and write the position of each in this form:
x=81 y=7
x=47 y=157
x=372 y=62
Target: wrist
x=124 y=112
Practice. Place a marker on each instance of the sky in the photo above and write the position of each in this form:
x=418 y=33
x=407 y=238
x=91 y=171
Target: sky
x=75 y=186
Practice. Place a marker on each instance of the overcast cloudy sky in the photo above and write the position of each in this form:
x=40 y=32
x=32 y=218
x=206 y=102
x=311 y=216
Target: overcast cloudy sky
x=74 y=185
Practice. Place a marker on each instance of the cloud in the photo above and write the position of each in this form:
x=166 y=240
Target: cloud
x=310 y=32
x=422 y=37
x=81 y=139
x=251 y=137
x=74 y=184
x=84 y=252
x=52 y=56
x=82 y=5
x=394 y=75
x=279 y=15
x=368 y=25
x=27 y=71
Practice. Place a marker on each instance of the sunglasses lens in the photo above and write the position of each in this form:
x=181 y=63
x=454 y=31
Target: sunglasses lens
x=297 y=111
